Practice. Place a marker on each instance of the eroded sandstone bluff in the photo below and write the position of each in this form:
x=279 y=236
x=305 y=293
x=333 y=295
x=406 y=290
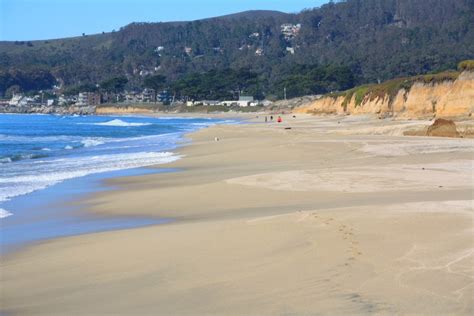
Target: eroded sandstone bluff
x=448 y=99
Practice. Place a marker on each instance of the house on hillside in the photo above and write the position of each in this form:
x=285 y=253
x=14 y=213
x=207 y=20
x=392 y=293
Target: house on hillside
x=289 y=30
x=254 y=35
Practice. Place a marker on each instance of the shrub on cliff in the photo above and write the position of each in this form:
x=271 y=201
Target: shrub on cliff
x=466 y=65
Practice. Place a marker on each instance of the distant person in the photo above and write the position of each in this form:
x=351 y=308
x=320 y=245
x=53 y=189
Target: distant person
x=271 y=118
x=279 y=119
x=266 y=119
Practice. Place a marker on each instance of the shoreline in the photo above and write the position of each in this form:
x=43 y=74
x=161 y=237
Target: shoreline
x=63 y=215
x=268 y=220
x=62 y=212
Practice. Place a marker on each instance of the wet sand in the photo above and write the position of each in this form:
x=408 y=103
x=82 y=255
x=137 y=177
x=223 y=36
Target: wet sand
x=324 y=218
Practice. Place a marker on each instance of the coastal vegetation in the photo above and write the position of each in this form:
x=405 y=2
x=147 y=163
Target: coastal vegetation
x=331 y=48
x=466 y=65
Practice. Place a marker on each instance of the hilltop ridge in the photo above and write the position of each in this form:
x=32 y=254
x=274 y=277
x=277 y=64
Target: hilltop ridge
x=250 y=14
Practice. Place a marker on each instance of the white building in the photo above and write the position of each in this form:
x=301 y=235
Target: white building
x=243 y=101
x=82 y=99
x=18 y=100
x=203 y=102
x=188 y=50
x=290 y=30
x=254 y=35
x=62 y=100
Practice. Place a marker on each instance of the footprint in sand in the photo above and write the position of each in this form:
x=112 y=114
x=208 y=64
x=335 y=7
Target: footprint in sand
x=347 y=234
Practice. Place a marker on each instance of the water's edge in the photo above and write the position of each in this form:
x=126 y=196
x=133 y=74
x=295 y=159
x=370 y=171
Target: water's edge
x=59 y=211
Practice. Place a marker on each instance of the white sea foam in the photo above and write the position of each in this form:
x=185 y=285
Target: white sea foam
x=118 y=122
x=93 y=155
x=5 y=160
x=4 y=213
x=224 y=122
x=182 y=118
x=46 y=173
x=91 y=142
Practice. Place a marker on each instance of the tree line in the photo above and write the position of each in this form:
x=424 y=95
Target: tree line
x=229 y=83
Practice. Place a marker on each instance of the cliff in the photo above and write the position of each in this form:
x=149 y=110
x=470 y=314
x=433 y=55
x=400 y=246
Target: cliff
x=444 y=95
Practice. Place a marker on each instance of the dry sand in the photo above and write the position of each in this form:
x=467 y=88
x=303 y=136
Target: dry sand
x=273 y=221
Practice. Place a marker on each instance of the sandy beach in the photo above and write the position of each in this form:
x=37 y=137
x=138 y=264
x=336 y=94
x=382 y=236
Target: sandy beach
x=337 y=215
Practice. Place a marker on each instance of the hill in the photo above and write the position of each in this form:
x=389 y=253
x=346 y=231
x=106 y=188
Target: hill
x=251 y=14
x=330 y=48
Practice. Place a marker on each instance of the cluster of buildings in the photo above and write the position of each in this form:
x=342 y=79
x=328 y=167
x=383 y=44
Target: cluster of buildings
x=89 y=99
x=86 y=99
x=243 y=101
x=23 y=101
x=82 y=99
x=290 y=31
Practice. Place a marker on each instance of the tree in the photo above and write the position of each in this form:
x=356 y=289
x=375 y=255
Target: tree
x=115 y=85
x=12 y=90
x=156 y=82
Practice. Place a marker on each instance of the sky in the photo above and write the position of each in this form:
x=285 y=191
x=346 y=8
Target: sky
x=48 y=19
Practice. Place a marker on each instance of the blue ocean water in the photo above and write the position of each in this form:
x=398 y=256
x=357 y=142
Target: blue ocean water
x=38 y=152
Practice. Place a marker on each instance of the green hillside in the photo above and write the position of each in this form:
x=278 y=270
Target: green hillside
x=337 y=46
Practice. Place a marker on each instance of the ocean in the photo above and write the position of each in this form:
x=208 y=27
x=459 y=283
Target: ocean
x=38 y=152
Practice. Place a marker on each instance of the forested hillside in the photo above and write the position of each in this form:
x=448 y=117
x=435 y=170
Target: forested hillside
x=316 y=51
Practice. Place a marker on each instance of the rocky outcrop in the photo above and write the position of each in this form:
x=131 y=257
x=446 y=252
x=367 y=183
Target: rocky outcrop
x=449 y=98
x=60 y=110
x=443 y=128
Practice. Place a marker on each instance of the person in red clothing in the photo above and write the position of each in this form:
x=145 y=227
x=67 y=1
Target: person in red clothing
x=279 y=119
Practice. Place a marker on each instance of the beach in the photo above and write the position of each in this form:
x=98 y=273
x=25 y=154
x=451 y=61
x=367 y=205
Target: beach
x=316 y=215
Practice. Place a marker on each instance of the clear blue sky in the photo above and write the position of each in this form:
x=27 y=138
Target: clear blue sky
x=47 y=19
